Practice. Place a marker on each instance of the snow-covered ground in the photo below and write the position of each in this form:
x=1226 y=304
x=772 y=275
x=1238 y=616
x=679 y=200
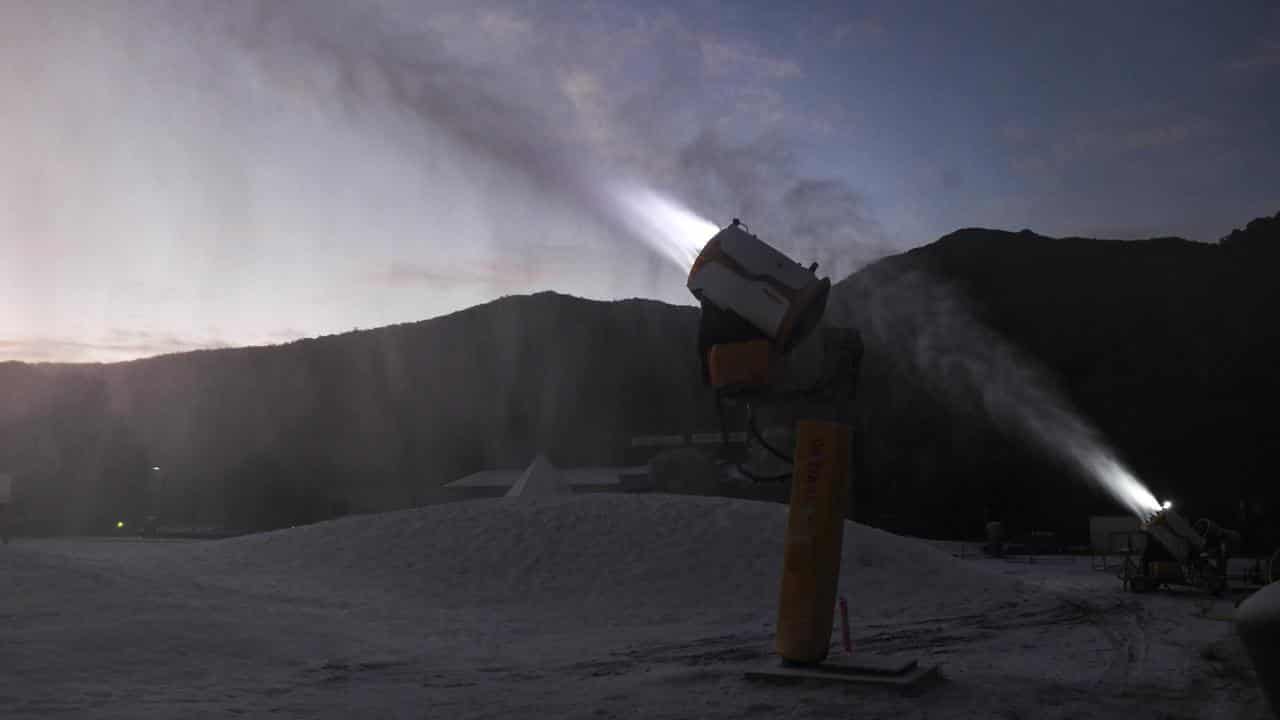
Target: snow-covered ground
x=590 y=606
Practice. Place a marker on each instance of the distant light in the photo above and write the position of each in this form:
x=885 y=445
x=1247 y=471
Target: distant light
x=155 y=468
x=1167 y=504
x=119 y=523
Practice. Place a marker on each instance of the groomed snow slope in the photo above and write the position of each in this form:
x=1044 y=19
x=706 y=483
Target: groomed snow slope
x=630 y=558
x=579 y=606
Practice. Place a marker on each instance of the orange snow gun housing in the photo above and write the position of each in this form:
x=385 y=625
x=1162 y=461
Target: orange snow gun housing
x=739 y=365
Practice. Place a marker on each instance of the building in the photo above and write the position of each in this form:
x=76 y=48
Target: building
x=643 y=448
x=543 y=478
x=1113 y=534
x=674 y=472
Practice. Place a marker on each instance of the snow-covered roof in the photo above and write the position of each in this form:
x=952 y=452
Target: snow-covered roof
x=487 y=478
x=540 y=479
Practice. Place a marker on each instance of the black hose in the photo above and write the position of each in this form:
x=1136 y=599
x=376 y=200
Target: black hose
x=724 y=430
x=762 y=478
x=755 y=432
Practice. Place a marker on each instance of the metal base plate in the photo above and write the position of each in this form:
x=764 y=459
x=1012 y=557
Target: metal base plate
x=903 y=675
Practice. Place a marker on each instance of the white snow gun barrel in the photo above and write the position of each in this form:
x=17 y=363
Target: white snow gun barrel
x=1176 y=535
x=757 y=304
x=1186 y=542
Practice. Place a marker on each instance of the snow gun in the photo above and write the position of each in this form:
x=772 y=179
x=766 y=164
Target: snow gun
x=1182 y=554
x=758 y=305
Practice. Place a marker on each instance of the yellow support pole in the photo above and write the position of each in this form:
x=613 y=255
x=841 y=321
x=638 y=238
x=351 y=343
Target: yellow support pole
x=815 y=533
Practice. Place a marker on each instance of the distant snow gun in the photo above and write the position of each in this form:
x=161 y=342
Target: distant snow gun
x=1178 y=553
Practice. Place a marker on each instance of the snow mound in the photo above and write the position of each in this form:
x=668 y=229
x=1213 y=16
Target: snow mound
x=644 y=558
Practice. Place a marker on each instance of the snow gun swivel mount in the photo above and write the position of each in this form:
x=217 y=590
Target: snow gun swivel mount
x=758 y=347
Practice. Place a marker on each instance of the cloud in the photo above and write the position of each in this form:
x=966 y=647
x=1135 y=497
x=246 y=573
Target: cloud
x=862 y=31
x=114 y=345
x=505 y=27
x=1111 y=139
x=1013 y=132
x=1087 y=138
x=1263 y=57
x=832 y=221
x=484 y=272
x=277 y=151
x=586 y=93
x=1158 y=136
x=822 y=219
x=715 y=129
x=721 y=57
x=1135 y=231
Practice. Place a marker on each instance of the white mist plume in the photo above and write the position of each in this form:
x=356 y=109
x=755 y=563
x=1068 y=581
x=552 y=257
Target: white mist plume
x=929 y=327
x=673 y=230
x=224 y=156
x=1123 y=485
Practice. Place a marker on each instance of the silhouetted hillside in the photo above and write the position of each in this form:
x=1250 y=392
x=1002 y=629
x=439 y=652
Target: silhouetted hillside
x=1168 y=347
x=366 y=420
x=1261 y=234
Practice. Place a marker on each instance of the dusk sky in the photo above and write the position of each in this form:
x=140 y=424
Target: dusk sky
x=176 y=175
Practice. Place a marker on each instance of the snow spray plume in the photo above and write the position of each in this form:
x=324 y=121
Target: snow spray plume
x=495 y=122
x=428 y=160
x=222 y=107
x=676 y=232
x=759 y=180
x=928 y=326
